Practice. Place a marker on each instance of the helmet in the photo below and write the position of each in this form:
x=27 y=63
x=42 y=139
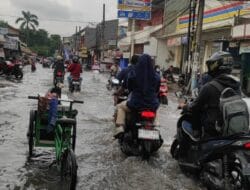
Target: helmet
x=134 y=59
x=59 y=58
x=75 y=59
x=220 y=62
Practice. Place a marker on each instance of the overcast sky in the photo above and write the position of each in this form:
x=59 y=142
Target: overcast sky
x=66 y=12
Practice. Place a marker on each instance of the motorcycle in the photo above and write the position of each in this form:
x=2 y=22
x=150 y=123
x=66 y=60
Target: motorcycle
x=113 y=83
x=140 y=137
x=33 y=67
x=163 y=93
x=8 y=68
x=75 y=85
x=181 y=80
x=58 y=77
x=222 y=162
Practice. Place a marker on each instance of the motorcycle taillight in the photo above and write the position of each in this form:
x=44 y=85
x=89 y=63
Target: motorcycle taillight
x=59 y=73
x=148 y=114
x=247 y=145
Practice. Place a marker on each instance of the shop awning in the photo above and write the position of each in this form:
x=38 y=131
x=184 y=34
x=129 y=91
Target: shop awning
x=140 y=37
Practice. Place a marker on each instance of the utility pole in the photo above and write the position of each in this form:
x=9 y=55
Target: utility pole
x=79 y=39
x=103 y=31
x=196 y=57
x=75 y=46
x=132 y=39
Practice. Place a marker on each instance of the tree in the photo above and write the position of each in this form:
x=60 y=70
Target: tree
x=55 y=43
x=28 y=21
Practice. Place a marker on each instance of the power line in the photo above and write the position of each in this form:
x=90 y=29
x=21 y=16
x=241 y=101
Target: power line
x=55 y=19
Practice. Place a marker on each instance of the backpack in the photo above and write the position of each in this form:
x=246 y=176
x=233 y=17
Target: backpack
x=234 y=111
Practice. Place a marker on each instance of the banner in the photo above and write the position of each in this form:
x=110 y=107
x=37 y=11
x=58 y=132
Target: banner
x=134 y=9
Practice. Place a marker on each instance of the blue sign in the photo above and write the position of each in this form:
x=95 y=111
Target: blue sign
x=140 y=15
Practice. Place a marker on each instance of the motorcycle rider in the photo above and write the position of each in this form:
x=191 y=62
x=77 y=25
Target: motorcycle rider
x=58 y=66
x=144 y=84
x=75 y=70
x=123 y=75
x=205 y=108
x=123 y=78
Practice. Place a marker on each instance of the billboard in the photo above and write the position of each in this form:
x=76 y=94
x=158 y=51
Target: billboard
x=134 y=9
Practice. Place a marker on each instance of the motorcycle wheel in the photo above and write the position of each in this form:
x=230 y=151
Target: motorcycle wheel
x=109 y=87
x=146 y=149
x=31 y=133
x=19 y=75
x=69 y=169
x=164 y=100
x=174 y=150
x=237 y=180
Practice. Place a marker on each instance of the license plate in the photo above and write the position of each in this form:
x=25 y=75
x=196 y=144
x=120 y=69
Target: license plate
x=76 y=83
x=148 y=134
x=246 y=169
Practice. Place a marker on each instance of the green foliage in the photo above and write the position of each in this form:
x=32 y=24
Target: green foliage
x=3 y=24
x=42 y=43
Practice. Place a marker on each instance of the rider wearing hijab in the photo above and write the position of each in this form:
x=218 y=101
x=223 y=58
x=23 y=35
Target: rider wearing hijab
x=144 y=84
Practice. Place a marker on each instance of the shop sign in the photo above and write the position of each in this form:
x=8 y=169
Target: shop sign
x=174 y=42
x=233 y=44
x=3 y=31
x=11 y=44
x=112 y=43
x=245 y=47
x=134 y=9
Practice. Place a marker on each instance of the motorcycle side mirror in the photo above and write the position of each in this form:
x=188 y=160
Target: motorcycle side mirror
x=178 y=94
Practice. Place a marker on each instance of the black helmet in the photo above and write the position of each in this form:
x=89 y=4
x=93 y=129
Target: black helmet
x=134 y=59
x=75 y=59
x=220 y=62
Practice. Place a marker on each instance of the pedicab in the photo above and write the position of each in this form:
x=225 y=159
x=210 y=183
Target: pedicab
x=63 y=138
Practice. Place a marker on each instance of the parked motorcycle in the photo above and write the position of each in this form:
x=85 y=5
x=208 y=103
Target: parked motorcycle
x=222 y=162
x=8 y=68
x=163 y=93
x=58 y=77
x=140 y=138
x=75 y=85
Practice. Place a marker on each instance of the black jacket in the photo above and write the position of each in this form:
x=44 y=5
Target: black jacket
x=206 y=106
x=59 y=67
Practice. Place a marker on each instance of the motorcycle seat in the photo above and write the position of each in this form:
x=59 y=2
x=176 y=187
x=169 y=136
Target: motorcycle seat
x=187 y=128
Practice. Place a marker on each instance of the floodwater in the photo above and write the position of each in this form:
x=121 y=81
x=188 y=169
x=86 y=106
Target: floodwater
x=101 y=164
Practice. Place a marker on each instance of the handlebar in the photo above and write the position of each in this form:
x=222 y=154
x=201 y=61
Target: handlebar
x=71 y=101
x=33 y=97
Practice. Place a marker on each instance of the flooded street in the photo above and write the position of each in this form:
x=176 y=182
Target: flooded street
x=101 y=164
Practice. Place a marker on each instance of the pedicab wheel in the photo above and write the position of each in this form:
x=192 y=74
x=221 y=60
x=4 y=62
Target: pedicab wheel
x=31 y=131
x=74 y=138
x=69 y=168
